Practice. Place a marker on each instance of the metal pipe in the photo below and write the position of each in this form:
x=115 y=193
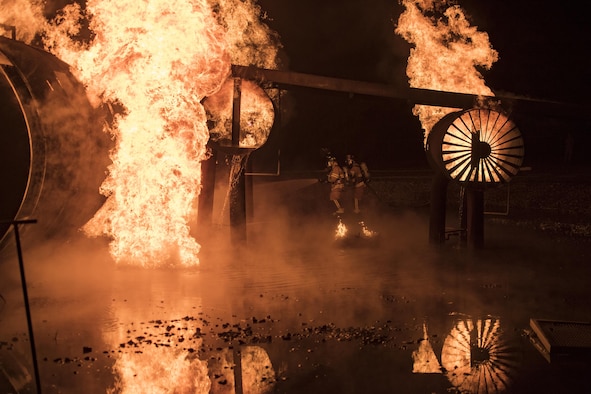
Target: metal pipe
x=547 y=108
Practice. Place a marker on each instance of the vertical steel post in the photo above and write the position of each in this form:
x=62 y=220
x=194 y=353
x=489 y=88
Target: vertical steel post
x=238 y=201
x=237 y=98
x=206 y=197
x=238 y=185
x=15 y=223
x=237 y=356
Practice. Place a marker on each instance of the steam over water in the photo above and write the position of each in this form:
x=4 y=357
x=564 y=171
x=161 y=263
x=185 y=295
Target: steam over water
x=298 y=309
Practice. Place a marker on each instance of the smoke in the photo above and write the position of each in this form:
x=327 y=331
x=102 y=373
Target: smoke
x=249 y=38
x=76 y=156
x=154 y=64
x=25 y=15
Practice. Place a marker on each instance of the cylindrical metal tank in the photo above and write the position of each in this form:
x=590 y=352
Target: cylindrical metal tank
x=53 y=151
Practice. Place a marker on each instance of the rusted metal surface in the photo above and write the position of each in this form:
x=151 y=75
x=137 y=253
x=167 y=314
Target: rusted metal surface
x=562 y=338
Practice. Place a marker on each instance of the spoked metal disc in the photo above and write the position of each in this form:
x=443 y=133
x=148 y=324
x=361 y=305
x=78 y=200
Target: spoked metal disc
x=478 y=145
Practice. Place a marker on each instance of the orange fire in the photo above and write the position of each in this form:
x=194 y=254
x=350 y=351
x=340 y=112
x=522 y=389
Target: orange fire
x=160 y=370
x=169 y=356
x=445 y=54
x=341 y=230
x=256 y=115
x=365 y=231
x=157 y=60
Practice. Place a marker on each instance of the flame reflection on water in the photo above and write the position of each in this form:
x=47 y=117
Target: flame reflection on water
x=475 y=357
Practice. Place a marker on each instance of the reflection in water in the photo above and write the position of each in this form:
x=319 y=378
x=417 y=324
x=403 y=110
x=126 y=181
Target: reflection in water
x=476 y=357
x=258 y=376
x=168 y=369
x=156 y=356
x=160 y=369
x=169 y=356
x=425 y=360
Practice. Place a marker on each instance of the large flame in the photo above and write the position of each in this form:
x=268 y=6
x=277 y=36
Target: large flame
x=154 y=60
x=446 y=53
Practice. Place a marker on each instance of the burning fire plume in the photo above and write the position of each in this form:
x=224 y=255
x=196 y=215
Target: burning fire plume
x=445 y=54
x=155 y=60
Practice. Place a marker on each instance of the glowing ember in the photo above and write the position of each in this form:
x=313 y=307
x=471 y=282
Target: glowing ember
x=341 y=231
x=155 y=60
x=446 y=51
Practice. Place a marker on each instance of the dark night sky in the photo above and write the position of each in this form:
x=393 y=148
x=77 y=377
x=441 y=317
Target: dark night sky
x=542 y=48
x=542 y=54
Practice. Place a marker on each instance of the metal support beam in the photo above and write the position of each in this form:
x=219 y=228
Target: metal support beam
x=237 y=180
x=236 y=100
x=208 y=179
x=285 y=79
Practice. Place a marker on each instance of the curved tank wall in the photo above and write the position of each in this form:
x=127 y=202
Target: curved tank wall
x=53 y=151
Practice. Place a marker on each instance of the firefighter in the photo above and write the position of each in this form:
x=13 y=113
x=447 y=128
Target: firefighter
x=336 y=178
x=357 y=175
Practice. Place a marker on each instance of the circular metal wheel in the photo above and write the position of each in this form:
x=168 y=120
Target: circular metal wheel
x=478 y=145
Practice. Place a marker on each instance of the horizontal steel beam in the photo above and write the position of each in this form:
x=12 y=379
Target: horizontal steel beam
x=286 y=79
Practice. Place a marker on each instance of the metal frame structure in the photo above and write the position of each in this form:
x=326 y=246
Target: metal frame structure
x=288 y=79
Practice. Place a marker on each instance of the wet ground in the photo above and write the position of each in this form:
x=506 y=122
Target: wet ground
x=295 y=310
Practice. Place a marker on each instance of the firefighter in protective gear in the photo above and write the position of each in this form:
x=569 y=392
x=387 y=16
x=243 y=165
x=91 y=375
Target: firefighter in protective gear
x=357 y=176
x=336 y=178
